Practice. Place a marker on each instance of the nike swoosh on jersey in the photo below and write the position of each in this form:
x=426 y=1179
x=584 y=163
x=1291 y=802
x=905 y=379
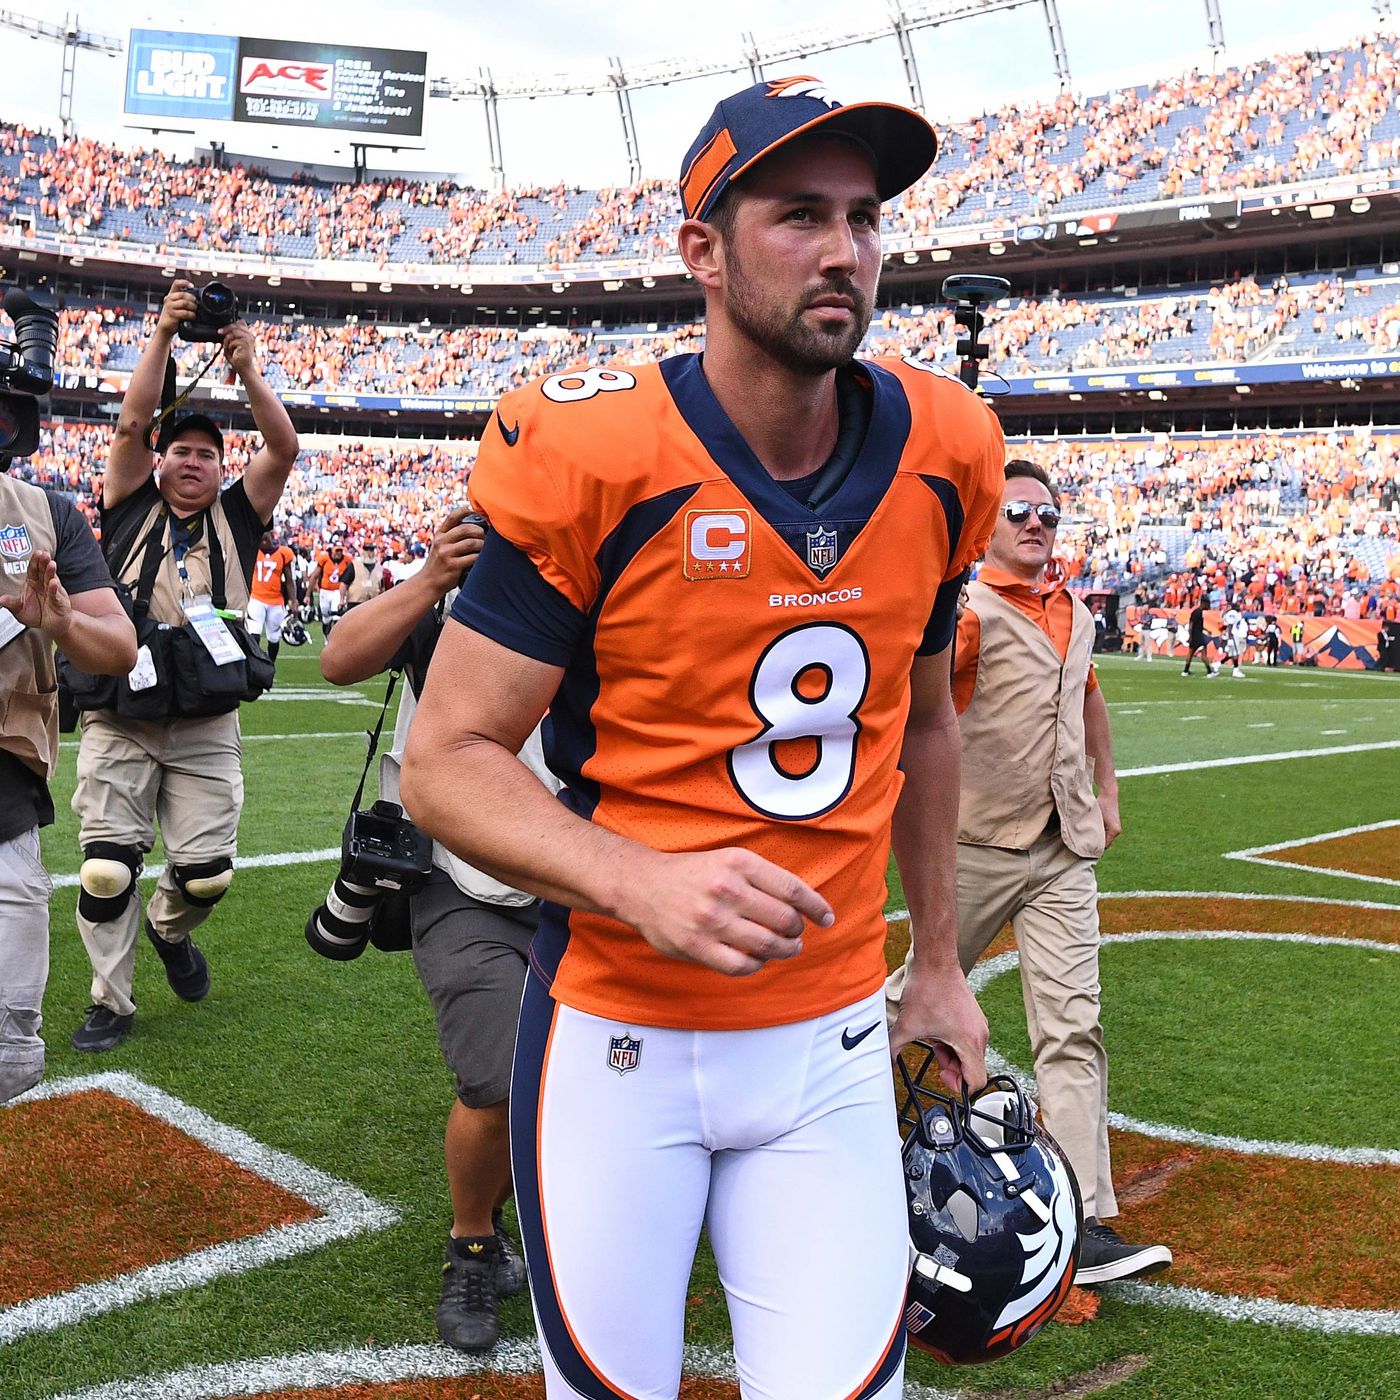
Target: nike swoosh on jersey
x=849 y=1041
x=511 y=435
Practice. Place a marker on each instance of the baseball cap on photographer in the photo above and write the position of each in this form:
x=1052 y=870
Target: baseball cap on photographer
x=173 y=428
x=755 y=122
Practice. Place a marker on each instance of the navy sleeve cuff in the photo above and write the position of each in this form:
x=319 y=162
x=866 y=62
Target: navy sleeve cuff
x=505 y=598
x=943 y=622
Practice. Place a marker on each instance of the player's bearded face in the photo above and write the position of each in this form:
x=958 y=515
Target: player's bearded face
x=788 y=330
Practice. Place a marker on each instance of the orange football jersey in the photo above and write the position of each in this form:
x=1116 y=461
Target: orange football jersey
x=267 y=575
x=738 y=673
x=332 y=570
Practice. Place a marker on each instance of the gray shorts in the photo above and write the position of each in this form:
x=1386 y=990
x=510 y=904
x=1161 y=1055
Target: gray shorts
x=471 y=958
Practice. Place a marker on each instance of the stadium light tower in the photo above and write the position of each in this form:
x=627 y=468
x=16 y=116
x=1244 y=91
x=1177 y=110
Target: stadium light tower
x=900 y=24
x=72 y=38
x=1057 y=43
x=1215 y=26
x=618 y=79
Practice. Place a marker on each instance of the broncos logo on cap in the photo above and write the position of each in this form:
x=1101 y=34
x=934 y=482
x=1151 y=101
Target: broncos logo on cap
x=803 y=86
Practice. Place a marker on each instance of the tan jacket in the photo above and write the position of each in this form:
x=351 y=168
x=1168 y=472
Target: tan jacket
x=28 y=688
x=1023 y=752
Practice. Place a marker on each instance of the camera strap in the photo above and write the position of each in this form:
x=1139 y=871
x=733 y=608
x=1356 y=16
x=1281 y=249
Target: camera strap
x=170 y=401
x=374 y=738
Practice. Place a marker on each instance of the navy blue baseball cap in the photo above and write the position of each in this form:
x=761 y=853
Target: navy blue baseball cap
x=754 y=123
x=174 y=428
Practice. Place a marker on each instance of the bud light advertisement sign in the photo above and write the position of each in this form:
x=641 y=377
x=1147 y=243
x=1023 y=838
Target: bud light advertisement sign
x=278 y=82
x=172 y=73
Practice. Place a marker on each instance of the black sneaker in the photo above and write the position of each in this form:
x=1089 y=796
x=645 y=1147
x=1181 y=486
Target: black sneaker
x=1104 y=1255
x=185 y=967
x=510 y=1272
x=102 y=1029
x=469 y=1308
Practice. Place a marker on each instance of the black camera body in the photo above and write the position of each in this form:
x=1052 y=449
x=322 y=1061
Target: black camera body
x=217 y=307
x=382 y=854
x=26 y=372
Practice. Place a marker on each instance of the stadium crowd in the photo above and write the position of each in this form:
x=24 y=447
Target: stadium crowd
x=1313 y=514
x=1289 y=118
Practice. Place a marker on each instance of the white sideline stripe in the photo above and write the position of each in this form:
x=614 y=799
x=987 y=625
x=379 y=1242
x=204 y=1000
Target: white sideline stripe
x=986 y=972
x=154 y=872
x=345 y=1211
x=1258 y=855
x=1366 y=1322
x=382 y=1365
x=1154 y=769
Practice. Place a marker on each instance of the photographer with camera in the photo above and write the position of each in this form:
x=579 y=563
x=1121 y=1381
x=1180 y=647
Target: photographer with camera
x=471 y=939
x=54 y=590
x=164 y=743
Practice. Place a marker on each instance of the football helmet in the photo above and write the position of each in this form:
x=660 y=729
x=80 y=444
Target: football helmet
x=994 y=1216
x=294 y=631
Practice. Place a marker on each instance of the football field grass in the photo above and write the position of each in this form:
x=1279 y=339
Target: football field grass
x=1251 y=1010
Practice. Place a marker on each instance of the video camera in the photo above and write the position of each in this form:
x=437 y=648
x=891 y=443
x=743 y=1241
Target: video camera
x=26 y=372
x=968 y=292
x=217 y=307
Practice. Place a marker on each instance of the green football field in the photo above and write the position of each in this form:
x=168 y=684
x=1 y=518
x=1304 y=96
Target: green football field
x=1252 y=1043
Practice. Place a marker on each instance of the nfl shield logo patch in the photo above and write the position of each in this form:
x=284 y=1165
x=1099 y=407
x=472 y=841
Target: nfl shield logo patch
x=624 y=1053
x=14 y=542
x=821 y=551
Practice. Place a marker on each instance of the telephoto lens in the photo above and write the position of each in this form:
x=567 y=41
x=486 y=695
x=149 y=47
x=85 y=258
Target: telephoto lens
x=339 y=929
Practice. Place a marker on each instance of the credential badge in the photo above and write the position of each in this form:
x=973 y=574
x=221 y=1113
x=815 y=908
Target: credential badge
x=624 y=1053
x=822 y=547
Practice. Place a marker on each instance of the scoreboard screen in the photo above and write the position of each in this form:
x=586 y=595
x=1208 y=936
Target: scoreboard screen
x=277 y=82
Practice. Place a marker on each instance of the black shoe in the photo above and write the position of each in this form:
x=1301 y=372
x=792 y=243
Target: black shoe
x=185 y=967
x=510 y=1272
x=469 y=1308
x=102 y=1029
x=1104 y=1255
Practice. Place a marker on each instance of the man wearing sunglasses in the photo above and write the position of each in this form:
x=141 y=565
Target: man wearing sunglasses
x=1035 y=739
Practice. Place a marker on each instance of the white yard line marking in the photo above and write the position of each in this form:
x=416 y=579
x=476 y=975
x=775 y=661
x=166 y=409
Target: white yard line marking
x=988 y=971
x=345 y=1211
x=154 y=872
x=382 y=1365
x=1367 y=1322
x=1129 y=712
x=1153 y=770
x=1186 y=719
x=1332 y=731
x=1259 y=855
x=1267 y=724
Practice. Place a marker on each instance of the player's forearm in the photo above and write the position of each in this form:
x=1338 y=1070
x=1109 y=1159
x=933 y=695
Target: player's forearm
x=366 y=638
x=130 y=460
x=1098 y=741
x=480 y=801
x=925 y=837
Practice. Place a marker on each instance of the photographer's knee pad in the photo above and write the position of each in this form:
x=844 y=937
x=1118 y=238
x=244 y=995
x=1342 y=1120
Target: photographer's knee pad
x=205 y=884
x=107 y=880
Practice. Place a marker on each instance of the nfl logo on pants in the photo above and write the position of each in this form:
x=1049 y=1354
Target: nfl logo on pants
x=624 y=1053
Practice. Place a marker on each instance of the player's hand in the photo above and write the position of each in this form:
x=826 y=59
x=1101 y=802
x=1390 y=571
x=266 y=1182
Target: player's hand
x=1112 y=822
x=179 y=306
x=938 y=1007
x=240 y=348
x=730 y=909
x=43 y=602
x=454 y=550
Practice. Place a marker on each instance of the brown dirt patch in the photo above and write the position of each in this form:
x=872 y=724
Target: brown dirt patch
x=480 y=1387
x=1374 y=853
x=1120 y=915
x=95 y=1187
x=1250 y=1225
x=1079 y=1387
x=1081 y=1305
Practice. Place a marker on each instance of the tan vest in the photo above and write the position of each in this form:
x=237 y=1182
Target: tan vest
x=28 y=690
x=169 y=588
x=1023 y=757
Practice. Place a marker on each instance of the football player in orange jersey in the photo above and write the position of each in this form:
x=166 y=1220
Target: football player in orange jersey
x=271 y=593
x=731 y=581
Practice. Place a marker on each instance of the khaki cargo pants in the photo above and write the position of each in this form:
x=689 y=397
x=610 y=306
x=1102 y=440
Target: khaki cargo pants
x=186 y=774
x=1050 y=896
x=24 y=962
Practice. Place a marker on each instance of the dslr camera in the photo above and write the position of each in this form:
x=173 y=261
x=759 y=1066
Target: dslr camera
x=26 y=372
x=383 y=859
x=216 y=307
